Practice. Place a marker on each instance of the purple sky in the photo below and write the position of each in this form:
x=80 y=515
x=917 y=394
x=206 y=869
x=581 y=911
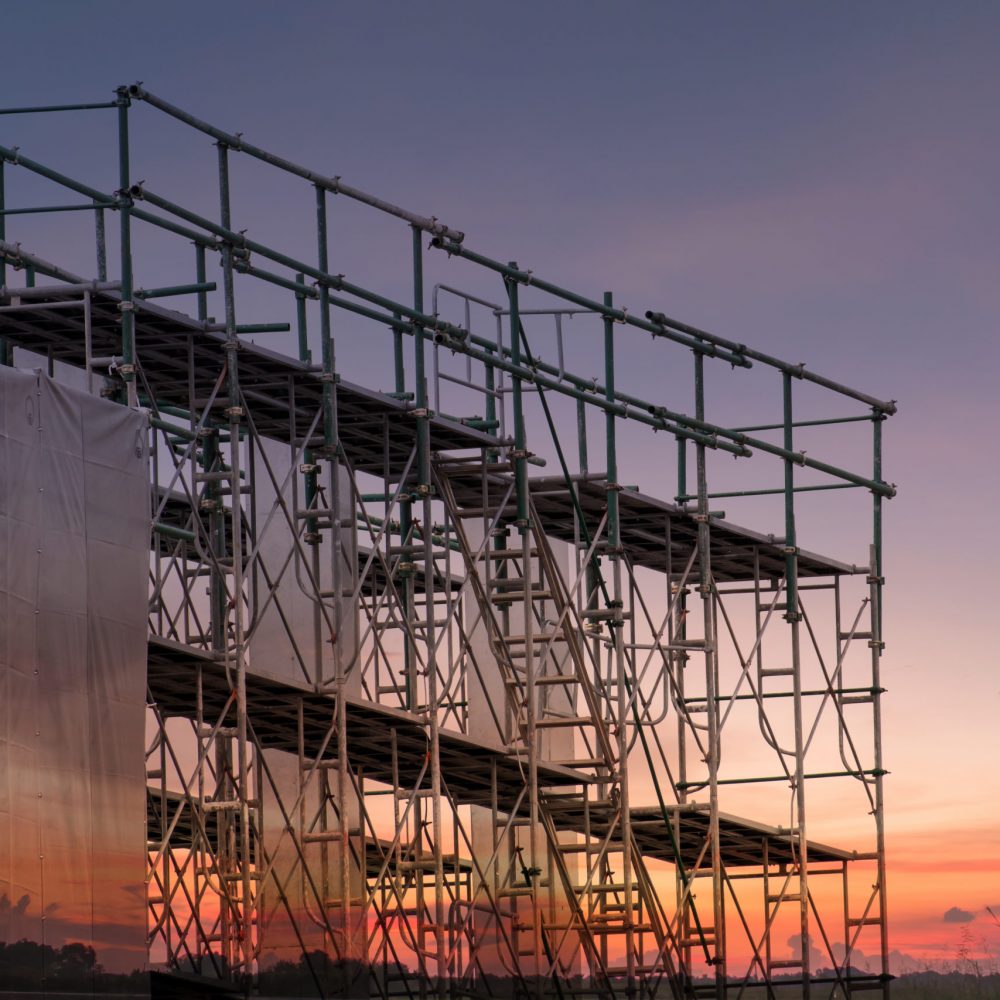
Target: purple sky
x=818 y=181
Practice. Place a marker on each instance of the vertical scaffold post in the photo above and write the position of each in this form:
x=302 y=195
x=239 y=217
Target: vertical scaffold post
x=331 y=448
x=125 y=218
x=616 y=624
x=419 y=345
x=234 y=412
x=531 y=662
x=793 y=616
x=520 y=453
x=301 y=326
x=876 y=581
x=425 y=490
x=311 y=535
x=6 y=351
x=706 y=590
x=101 y=239
x=200 y=278
x=405 y=527
x=682 y=486
x=398 y=364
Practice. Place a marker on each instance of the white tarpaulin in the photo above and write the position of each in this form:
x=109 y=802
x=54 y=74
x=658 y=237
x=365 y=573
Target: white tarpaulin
x=74 y=557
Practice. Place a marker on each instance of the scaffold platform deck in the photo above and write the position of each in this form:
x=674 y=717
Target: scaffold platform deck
x=469 y=767
x=182 y=357
x=654 y=533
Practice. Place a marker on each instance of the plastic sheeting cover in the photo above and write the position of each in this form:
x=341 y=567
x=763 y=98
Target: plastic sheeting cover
x=74 y=544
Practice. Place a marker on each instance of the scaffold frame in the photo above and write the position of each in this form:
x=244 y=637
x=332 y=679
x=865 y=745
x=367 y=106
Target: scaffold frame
x=492 y=760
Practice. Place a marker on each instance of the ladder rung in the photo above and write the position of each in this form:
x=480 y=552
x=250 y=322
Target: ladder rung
x=510 y=583
x=509 y=597
x=865 y=922
x=536 y=637
x=777 y=672
x=636 y=928
x=557 y=722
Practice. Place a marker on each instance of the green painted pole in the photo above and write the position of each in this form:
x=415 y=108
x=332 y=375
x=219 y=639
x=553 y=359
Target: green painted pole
x=682 y=493
x=301 y=326
x=614 y=535
x=325 y=326
x=878 y=420
x=101 y=239
x=520 y=450
x=311 y=534
x=124 y=200
x=398 y=362
x=201 y=278
x=60 y=107
x=791 y=552
x=419 y=346
x=170 y=290
x=6 y=353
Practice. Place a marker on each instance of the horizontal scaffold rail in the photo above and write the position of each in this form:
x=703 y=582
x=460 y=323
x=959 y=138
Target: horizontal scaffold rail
x=452 y=241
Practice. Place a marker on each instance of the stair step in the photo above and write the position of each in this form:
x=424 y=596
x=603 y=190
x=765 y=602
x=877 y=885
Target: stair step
x=521 y=639
x=636 y=928
x=511 y=597
x=510 y=583
x=698 y=942
x=558 y=722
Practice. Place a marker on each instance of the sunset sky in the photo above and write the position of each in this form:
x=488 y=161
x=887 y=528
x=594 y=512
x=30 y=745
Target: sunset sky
x=819 y=181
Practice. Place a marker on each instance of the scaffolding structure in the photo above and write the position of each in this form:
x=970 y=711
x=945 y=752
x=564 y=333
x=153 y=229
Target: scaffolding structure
x=427 y=717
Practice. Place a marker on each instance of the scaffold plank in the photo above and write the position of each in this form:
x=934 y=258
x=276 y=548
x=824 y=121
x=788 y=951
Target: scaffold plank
x=273 y=706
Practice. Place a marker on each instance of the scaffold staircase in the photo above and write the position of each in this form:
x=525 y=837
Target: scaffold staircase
x=573 y=910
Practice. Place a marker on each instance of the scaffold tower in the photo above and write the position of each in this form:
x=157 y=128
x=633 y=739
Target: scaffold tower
x=439 y=701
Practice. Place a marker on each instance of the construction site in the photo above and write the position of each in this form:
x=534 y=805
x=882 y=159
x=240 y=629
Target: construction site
x=369 y=634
